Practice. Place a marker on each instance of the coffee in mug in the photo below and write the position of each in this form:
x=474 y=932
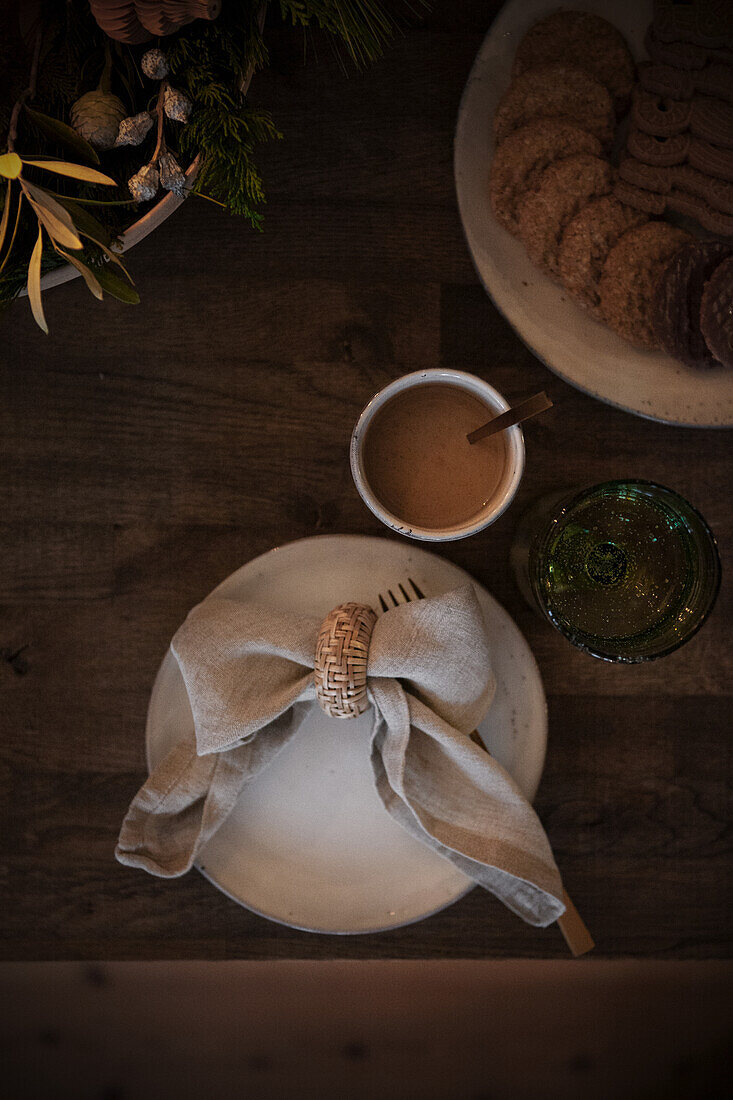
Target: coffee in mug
x=414 y=466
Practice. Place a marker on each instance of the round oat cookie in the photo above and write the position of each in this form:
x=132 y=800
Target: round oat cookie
x=630 y=276
x=586 y=41
x=556 y=91
x=563 y=189
x=586 y=242
x=716 y=313
x=521 y=159
x=678 y=298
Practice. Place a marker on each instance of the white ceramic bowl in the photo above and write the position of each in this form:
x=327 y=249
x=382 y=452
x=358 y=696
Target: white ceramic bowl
x=506 y=489
x=567 y=338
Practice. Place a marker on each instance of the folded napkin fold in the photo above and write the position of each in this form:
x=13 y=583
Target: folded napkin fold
x=248 y=672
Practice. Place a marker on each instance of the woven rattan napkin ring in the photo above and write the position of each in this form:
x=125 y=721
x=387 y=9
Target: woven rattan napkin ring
x=340 y=665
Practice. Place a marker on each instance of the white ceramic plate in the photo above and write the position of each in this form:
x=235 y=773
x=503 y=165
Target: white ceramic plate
x=560 y=333
x=309 y=843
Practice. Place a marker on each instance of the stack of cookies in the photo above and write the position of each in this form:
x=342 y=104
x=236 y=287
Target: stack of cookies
x=680 y=143
x=692 y=315
x=553 y=186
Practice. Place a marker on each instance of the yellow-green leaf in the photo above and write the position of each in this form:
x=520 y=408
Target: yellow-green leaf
x=9 y=249
x=55 y=218
x=85 y=223
x=117 y=287
x=34 y=283
x=89 y=277
x=77 y=171
x=5 y=217
x=56 y=229
x=10 y=166
x=40 y=195
x=108 y=253
x=60 y=132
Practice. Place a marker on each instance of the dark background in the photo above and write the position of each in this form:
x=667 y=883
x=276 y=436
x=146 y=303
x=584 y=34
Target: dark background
x=148 y=452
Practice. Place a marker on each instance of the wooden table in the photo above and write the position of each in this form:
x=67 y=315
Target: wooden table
x=150 y=451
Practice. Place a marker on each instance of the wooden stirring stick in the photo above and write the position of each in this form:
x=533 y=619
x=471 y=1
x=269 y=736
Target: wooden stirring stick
x=522 y=411
x=577 y=936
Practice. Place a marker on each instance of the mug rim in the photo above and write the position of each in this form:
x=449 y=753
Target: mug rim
x=494 y=400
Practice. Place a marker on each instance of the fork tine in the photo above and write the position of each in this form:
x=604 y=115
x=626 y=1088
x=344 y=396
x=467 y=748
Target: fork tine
x=384 y=604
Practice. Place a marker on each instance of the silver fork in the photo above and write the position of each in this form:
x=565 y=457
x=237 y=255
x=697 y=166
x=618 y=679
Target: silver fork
x=407 y=598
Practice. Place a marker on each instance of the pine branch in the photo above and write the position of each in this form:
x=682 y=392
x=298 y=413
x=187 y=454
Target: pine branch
x=226 y=144
x=213 y=64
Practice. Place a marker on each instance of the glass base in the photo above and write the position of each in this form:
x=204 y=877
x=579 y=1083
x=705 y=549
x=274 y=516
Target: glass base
x=627 y=570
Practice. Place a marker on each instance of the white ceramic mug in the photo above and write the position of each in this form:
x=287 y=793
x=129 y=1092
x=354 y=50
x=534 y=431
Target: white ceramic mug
x=507 y=487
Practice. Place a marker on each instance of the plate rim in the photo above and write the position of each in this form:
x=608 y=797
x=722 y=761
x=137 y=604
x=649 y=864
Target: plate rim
x=544 y=717
x=495 y=29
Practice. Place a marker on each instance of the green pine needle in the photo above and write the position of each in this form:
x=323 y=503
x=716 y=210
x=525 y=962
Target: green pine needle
x=214 y=63
x=364 y=26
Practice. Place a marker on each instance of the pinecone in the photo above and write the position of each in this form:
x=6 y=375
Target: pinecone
x=177 y=105
x=97 y=117
x=154 y=64
x=136 y=21
x=171 y=175
x=144 y=184
x=134 y=129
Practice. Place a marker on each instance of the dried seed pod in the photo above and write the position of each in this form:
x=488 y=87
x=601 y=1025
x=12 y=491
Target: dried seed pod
x=154 y=64
x=177 y=105
x=171 y=175
x=133 y=130
x=144 y=184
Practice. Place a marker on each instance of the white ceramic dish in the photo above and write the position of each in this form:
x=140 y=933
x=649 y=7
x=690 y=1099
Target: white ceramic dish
x=309 y=844
x=560 y=333
x=505 y=491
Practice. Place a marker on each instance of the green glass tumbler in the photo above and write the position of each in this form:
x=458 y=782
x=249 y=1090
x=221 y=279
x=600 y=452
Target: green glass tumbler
x=627 y=570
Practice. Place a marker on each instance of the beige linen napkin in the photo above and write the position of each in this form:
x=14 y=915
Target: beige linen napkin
x=248 y=672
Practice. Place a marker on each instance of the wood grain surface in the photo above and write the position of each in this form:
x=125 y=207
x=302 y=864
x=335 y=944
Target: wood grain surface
x=148 y=452
x=433 y=1030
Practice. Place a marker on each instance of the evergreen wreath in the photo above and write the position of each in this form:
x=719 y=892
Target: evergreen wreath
x=98 y=126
